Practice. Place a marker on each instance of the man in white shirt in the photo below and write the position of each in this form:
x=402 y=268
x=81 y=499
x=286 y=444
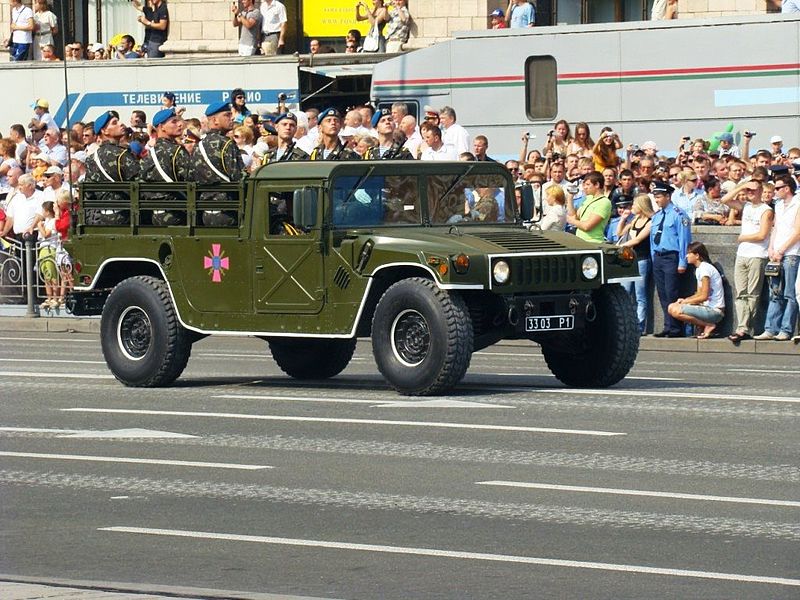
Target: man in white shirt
x=54 y=180
x=408 y=125
x=22 y=26
x=23 y=207
x=50 y=149
x=273 y=27
x=453 y=133
x=437 y=149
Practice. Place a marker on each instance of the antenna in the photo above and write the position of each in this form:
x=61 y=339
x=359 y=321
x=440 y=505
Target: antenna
x=66 y=93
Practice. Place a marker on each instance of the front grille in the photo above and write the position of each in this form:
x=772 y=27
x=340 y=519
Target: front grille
x=519 y=241
x=546 y=270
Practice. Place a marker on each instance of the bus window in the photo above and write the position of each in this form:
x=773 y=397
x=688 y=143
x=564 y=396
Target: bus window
x=541 y=98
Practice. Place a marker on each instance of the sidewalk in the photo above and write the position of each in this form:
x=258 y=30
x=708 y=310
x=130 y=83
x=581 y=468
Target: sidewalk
x=25 y=588
x=68 y=324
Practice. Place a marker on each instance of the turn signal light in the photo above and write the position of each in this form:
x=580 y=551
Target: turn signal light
x=461 y=264
x=626 y=254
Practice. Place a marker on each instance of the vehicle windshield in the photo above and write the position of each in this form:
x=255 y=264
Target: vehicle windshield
x=470 y=198
x=376 y=200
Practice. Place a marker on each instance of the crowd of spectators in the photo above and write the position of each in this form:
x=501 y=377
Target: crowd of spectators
x=600 y=190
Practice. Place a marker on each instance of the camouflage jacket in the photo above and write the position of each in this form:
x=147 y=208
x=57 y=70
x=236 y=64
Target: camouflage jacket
x=292 y=153
x=223 y=154
x=395 y=152
x=173 y=159
x=116 y=164
x=338 y=153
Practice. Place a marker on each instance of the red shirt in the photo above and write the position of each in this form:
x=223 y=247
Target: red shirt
x=62 y=225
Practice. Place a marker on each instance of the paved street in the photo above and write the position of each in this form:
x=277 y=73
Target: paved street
x=681 y=482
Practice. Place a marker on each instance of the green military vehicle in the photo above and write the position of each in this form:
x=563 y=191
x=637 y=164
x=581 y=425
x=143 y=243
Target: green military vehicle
x=429 y=259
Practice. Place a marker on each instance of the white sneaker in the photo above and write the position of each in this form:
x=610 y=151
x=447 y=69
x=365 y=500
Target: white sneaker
x=767 y=335
x=783 y=337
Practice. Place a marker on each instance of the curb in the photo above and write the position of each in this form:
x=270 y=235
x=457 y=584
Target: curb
x=646 y=344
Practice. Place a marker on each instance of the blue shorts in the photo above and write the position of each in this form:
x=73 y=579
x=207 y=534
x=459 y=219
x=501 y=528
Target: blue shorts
x=703 y=313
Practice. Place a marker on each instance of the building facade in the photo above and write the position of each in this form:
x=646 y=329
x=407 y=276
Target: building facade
x=203 y=27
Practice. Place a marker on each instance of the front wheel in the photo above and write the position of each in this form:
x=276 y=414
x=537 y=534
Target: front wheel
x=608 y=347
x=421 y=337
x=143 y=343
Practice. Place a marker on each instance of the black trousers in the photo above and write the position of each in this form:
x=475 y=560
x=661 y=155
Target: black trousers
x=667 y=281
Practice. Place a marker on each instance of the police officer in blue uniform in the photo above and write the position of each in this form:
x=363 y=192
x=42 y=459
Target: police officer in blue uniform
x=670 y=234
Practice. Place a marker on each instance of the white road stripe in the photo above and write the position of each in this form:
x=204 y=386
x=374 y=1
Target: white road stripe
x=778 y=371
x=37 y=430
x=143 y=461
x=298 y=399
x=176 y=413
x=61 y=361
x=51 y=375
x=50 y=341
x=479 y=556
x=679 y=394
x=625 y=492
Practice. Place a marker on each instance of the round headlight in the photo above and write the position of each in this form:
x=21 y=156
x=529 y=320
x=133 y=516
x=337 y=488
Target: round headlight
x=590 y=267
x=501 y=271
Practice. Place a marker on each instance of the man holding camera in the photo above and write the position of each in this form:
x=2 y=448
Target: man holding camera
x=248 y=20
x=155 y=19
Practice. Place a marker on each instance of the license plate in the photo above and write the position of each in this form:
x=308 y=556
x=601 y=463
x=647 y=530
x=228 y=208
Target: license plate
x=553 y=323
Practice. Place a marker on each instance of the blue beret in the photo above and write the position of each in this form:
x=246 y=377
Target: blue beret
x=101 y=121
x=217 y=107
x=779 y=169
x=659 y=187
x=287 y=115
x=163 y=116
x=379 y=115
x=329 y=112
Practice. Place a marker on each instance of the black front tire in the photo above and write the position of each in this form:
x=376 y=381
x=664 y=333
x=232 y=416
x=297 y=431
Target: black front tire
x=608 y=346
x=421 y=337
x=312 y=358
x=143 y=343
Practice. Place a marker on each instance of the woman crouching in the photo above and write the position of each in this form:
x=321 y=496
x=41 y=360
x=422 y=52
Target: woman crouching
x=706 y=308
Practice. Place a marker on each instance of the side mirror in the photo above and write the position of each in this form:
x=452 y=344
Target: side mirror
x=530 y=207
x=304 y=207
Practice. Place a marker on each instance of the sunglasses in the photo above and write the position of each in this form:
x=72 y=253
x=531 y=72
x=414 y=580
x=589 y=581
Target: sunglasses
x=780 y=187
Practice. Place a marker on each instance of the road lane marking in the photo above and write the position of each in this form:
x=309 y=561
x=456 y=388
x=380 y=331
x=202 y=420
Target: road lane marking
x=61 y=361
x=681 y=395
x=48 y=340
x=456 y=554
x=626 y=492
x=37 y=430
x=51 y=375
x=778 y=371
x=177 y=413
x=143 y=461
x=133 y=433
x=433 y=403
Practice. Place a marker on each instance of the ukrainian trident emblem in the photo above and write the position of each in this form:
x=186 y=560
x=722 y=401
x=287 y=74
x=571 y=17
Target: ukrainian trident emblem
x=216 y=263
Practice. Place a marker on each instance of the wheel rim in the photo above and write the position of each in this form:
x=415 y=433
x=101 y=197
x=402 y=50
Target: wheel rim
x=134 y=333
x=410 y=338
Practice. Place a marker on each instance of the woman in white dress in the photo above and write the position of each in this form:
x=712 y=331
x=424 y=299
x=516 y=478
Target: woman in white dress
x=46 y=26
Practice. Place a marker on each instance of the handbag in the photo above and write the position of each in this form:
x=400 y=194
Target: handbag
x=372 y=42
x=773 y=269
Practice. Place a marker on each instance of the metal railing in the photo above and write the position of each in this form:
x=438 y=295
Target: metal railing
x=27 y=270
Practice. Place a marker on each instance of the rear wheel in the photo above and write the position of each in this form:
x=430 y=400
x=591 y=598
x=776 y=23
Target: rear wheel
x=609 y=344
x=143 y=343
x=421 y=337
x=312 y=358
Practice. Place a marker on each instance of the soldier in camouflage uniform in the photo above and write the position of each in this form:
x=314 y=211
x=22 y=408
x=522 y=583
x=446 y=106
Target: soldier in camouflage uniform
x=110 y=163
x=167 y=162
x=388 y=147
x=286 y=125
x=331 y=147
x=217 y=159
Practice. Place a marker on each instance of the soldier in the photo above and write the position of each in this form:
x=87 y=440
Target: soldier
x=388 y=147
x=168 y=162
x=286 y=125
x=110 y=163
x=217 y=159
x=331 y=147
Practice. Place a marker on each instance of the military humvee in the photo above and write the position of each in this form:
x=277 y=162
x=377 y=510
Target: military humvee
x=429 y=259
